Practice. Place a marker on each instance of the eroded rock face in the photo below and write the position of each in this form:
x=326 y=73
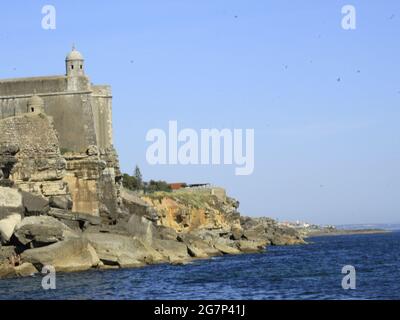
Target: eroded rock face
x=93 y=178
x=187 y=211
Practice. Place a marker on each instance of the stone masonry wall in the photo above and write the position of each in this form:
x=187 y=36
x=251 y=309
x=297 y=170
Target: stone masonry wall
x=40 y=167
x=81 y=113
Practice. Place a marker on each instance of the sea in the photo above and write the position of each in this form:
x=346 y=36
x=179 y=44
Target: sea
x=303 y=272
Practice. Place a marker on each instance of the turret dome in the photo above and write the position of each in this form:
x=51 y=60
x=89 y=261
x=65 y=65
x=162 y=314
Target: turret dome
x=74 y=63
x=74 y=55
x=35 y=100
x=35 y=104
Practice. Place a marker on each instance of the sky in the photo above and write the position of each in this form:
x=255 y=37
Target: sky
x=324 y=102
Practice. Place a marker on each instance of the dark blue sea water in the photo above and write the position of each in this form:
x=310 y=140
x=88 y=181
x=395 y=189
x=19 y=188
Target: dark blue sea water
x=297 y=272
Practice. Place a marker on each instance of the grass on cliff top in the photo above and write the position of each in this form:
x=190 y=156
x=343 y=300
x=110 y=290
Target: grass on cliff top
x=194 y=199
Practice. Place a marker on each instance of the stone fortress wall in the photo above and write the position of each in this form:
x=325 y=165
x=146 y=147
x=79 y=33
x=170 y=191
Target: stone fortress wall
x=39 y=168
x=78 y=117
x=81 y=111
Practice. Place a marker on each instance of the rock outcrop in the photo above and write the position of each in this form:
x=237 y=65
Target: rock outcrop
x=190 y=210
x=150 y=229
x=269 y=230
x=93 y=180
x=68 y=210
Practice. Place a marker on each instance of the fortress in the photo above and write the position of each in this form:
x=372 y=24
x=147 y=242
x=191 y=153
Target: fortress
x=80 y=110
x=56 y=139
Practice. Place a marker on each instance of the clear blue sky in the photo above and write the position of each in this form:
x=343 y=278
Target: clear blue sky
x=326 y=151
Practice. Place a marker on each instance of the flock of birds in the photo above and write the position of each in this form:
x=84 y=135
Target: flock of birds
x=339 y=79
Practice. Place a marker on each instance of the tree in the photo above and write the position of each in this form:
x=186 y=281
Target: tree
x=139 y=178
x=154 y=186
x=134 y=182
x=129 y=182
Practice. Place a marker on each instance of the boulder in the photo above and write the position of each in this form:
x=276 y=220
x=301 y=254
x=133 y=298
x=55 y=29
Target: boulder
x=173 y=251
x=42 y=230
x=75 y=220
x=10 y=202
x=7 y=162
x=118 y=229
x=196 y=252
x=255 y=233
x=226 y=246
x=247 y=246
x=25 y=270
x=34 y=205
x=8 y=225
x=6 y=271
x=6 y=252
x=136 y=206
x=141 y=228
x=61 y=202
x=122 y=251
x=165 y=233
x=66 y=256
x=198 y=247
x=236 y=232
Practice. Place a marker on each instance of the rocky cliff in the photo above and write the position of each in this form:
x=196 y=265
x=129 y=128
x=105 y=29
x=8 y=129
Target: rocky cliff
x=188 y=210
x=157 y=228
x=68 y=210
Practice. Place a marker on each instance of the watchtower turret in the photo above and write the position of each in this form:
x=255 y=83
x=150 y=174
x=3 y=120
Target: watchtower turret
x=74 y=63
x=35 y=104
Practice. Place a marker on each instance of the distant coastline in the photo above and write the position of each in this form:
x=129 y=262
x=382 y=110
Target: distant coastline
x=342 y=232
x=307 y=230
